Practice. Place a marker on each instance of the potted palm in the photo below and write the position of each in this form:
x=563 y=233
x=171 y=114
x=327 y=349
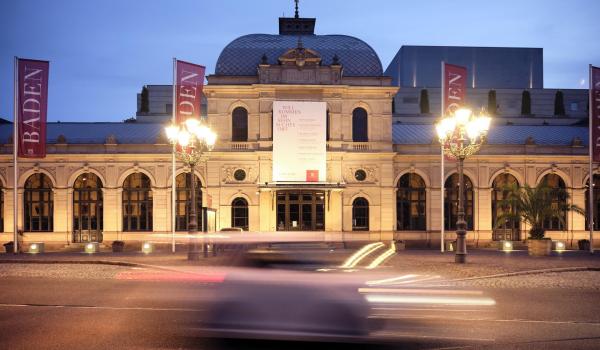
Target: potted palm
x=534 y=205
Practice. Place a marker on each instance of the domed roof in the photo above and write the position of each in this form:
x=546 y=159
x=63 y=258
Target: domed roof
x=242 y=55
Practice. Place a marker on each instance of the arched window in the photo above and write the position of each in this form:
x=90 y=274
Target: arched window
x=360 y=130
x=1 y=209
x=451 y=202
x=554 y=181
x=87 y=208
x=38 y=204
x=595 y=205
x=137 y=203
x=410 y=203
x=239 y=125
x=239 y=213
x=509 y=229
x=183 y=201
x=360 y=214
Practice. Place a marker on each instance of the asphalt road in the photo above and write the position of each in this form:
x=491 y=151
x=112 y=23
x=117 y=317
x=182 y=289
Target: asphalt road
x=95 y=307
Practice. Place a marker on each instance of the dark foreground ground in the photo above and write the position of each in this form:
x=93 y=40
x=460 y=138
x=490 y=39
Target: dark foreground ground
x=105 y=307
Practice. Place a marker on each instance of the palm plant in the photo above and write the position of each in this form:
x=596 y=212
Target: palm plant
x=534 y=205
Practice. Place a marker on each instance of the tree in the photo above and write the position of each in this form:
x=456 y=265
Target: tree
x=424 y=102
x=559 y=103
x=145 y=103
x=532 y=205
x=492 y=104
x=525 y=103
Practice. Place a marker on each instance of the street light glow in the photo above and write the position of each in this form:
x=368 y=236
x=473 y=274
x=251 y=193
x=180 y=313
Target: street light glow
x=462 y=134
x=194 y=138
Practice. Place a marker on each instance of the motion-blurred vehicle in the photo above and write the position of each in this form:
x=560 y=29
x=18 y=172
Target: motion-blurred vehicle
x=277 y=304
x=270 y=298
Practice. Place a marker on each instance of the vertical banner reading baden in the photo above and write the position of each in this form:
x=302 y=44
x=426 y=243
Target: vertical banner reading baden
x=188 y=90
x=454 y=85
x=32 y=103
x=299 y=141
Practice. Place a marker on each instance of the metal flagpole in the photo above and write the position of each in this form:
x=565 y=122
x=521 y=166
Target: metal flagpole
x=591 y=174
x=442 y=238
x=173 y=164
x=15 y=166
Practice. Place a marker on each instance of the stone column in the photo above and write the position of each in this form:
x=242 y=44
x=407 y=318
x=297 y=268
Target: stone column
x=112 y=215
x=160 y=216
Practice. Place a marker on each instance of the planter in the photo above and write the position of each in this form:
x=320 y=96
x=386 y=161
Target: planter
x=583 y=244
x=539 y=247
x=117 y=246
x=9 y=247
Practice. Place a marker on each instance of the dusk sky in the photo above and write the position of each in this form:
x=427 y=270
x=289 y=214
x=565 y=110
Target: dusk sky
x=101 y=53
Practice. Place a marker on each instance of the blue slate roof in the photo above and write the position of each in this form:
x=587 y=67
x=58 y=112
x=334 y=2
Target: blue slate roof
x=242 y=55
x=559 y=135
x=96 y=133
x=403 y=134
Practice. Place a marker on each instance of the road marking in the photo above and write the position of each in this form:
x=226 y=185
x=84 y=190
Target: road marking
x=100 y=307
x=517 y=320
x=415 y=335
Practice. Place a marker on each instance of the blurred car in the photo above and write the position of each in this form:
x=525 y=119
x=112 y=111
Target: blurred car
x=288 y=305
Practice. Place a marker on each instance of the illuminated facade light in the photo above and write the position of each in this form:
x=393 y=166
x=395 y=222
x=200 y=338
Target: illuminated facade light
x=91 y=248
x=507 y=246
x=560 y=246
x=35 y=248
x=147 y=247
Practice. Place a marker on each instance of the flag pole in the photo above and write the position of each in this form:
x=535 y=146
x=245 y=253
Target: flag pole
x=442 y=238
x=591 y=174
x=173 y=185
x=15 y=155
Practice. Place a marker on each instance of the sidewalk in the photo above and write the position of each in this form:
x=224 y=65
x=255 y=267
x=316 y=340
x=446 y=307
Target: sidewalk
x=487 y=262
x=480 y=262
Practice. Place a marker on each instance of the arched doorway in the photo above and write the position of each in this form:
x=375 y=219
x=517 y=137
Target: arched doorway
x=38 y=204
x=555 y=181
x=87 y=208
x=509 y=230
x=410 y=203
x=137 y=203
x=183 y=201
x=451 y=202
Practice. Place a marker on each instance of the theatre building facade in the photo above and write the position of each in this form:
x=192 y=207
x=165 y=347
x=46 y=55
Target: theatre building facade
x=381 y=177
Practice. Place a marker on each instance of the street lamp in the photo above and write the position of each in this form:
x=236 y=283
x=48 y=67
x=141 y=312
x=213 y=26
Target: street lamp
x=461 y=135
x=190 y=140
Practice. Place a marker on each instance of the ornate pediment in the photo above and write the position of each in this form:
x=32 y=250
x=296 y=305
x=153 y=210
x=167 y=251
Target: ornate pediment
x=300 y=57
x=300 y=65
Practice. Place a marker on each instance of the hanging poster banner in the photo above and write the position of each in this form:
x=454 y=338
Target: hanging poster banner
x=32 y=107
x=299 y=141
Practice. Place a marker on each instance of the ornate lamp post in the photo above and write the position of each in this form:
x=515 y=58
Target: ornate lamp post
x=190 y=140
x=462 y=135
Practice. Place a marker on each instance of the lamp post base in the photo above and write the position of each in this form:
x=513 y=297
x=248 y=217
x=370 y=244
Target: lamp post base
x=460 y=258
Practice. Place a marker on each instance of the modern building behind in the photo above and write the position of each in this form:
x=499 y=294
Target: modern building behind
x=488 y=67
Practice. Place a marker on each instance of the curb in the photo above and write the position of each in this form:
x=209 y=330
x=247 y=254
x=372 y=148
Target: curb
x=93 y=262
x=529 y=272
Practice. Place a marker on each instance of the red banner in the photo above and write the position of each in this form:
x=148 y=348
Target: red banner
x=32 y=106
x=595 y=111
x=454 y=87
x=188 y=90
